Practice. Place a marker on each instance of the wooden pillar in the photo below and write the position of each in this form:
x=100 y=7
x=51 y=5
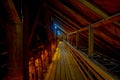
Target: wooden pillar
x=90 y=42
x=15 y=51
x=26 y=52
x=15 y=42
x=77 y=39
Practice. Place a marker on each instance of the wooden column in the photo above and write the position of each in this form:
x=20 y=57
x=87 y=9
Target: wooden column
x=26 y=52
x=77 y=39
x=90 y=42
x=15 y=42
x=15 y=51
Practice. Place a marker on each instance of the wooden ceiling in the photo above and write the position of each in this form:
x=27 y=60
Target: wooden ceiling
x=78 y=15
x=103 y=15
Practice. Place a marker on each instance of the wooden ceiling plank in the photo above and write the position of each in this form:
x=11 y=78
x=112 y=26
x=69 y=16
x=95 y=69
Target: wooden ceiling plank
x=62 y=29
x=59 y=27
x=65 y=23
x=108 y=20
x=107 y=38
x=64 y=17
x=69 y=12
x=97 y=10
x=94 y=8
x=84 y=9
x=68 y=29
x=101 y=44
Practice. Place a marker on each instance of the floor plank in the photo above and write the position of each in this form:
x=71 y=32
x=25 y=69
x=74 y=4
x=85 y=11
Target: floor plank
x=63 y=66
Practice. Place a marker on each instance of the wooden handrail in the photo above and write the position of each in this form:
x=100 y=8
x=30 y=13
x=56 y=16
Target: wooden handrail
x=97 y=71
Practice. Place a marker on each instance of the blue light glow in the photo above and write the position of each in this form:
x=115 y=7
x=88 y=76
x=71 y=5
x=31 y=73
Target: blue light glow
x=58 y=32
x=55 y=26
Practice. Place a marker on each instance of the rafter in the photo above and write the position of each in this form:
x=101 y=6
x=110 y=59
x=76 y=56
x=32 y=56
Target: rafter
x=34 y=27
x=66 y=28
x=101 y=44
x=62 y=29
x=94 y=8
x=82 y=9
x=97 y=10
x=108 y=38
x=11 y=10
x=64 y=17
x=108 y=20
x=65 y=22
x=75 y=16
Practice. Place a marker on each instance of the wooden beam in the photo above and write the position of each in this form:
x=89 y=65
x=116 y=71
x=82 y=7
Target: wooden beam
x=107 y=38
x=65 y=22
x=34 y=27
x=77 y=39
x=90 y=42
x=11 y=11
x=65 y=17
x=83 y=9
x=67 y=28
x=15 y=42
x=100 y=44
x=94 y=8
x=97 y=10
x=26 y=53
x=63 y=25
x=67 y=38
x=62 y=29
x=108 y=20
x=75 y=16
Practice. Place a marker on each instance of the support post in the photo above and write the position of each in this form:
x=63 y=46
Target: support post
x=90 y=42
x=15 y=42
x=67 y=38
x=26 y=52
x=77 y=40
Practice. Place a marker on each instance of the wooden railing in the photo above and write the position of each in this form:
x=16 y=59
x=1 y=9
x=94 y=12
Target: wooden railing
x=88 y=69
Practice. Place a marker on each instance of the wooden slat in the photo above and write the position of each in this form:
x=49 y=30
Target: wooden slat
x=66 y=68
x=84 y=70
x=98 y=72
x=63 y=75
x=74 y=68
x=52 y=68
x=64 y=17
x=69 y=12
x=57 y=74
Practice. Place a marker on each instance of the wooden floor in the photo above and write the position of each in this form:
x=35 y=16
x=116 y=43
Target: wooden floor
x=63 y=66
